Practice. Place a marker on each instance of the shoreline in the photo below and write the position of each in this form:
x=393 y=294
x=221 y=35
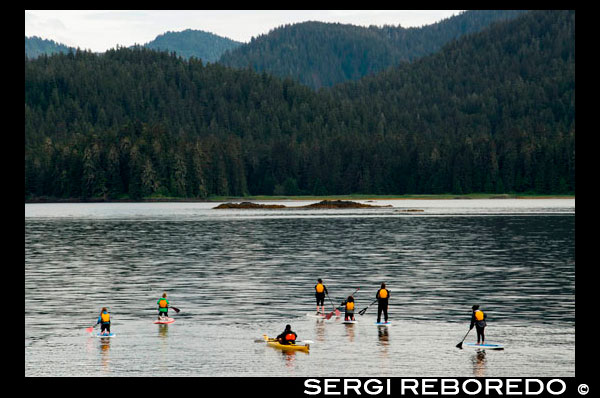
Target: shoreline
x=260 y=198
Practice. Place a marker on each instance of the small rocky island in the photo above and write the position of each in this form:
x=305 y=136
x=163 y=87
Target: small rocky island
x=324 y=204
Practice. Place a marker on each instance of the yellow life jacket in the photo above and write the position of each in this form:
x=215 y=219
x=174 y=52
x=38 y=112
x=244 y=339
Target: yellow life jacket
x=105 y=317
x=350 y=305
x=383 y=293
x=479 y=315
x=320 y=288
x=162 y=303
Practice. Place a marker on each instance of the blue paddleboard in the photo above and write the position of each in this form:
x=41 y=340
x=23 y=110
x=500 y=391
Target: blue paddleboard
x=388 y=323
x=486 y=346
x=105 y=335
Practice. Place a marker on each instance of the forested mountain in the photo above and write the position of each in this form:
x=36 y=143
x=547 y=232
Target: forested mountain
x=193 y=43
x=490 y=112
x=322 y=54
x=35 y=46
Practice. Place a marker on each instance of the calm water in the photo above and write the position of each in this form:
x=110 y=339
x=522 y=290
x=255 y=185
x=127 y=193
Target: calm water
x=236 y=274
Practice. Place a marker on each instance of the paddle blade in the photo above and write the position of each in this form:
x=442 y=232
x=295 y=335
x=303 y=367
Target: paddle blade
x=328 y=316
x=337 y=312
x=176 y=309
x=89 y=330
x=459 y=345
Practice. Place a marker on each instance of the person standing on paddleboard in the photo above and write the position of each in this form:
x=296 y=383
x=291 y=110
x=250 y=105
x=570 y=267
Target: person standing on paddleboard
x=382 y=296
x=478 y=320
x=104 y=321
x=163 y=306
x=349 y=306
x=288 y=336
x=320 y=292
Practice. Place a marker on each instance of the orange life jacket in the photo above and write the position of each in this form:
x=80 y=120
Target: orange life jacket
x=383 y=293
x=320 y=288
x=290 y=337
x=350 y=305
x=162 y=303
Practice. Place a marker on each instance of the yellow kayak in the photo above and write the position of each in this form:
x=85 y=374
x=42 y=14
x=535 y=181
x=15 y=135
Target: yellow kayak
x=285 y=347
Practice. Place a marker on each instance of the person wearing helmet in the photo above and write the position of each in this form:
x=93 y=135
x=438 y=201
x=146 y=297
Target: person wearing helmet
x=478 y=320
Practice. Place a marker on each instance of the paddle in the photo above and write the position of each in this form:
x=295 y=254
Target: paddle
x=459 y=345
x=90 y=329
x=362 y=312
x=266 y=338
x=337 y=310
x=176 y=309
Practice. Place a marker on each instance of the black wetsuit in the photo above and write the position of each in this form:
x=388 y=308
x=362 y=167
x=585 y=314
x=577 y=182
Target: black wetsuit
x=382 y=305
x=479 y=326
x=348 y=314
x=282 y=339
x=321 y=296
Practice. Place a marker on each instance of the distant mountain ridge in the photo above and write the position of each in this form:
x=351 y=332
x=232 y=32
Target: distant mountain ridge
x=36 y=46
x=193 y=43
x=491 y=112
x=188 y=43
x=321 y=54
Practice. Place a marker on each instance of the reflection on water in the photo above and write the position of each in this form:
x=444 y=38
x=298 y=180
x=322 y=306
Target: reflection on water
x=105 y=352
x=350 y=331
x=236 y=275
x=163 y=330
x=478 y=360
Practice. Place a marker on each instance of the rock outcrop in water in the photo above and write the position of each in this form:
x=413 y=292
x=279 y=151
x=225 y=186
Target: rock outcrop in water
x=324 y=204
x=248 y=205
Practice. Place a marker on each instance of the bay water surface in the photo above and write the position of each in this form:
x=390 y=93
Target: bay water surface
x=238 y=274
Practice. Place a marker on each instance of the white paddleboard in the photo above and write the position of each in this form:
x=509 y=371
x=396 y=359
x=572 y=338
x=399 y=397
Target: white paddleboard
x=388 y=323
x=486 y=346
x=165 y=321
x=349 y=322
x=312 y=315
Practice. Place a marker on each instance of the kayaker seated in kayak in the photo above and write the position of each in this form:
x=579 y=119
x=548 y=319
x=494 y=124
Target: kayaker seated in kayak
x=349 y=306
x=104 y=321
x=478 y=320
x=163 y=306
x=288 y=336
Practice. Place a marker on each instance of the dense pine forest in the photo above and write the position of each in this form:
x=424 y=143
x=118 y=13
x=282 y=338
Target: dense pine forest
x=492 y=111
x=193 y=43
x=323 y=54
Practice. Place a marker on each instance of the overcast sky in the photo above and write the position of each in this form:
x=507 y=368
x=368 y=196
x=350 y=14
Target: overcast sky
x=104 y=29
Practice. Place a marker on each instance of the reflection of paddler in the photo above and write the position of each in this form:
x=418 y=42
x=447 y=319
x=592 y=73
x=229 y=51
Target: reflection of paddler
x=478 y=320
x=383 y=296
x=320 y=292
x=349 y=307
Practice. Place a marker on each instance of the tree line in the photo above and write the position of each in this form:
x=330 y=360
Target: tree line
x=490 y=112
x=321 y=54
